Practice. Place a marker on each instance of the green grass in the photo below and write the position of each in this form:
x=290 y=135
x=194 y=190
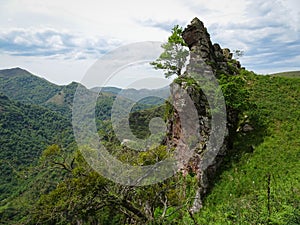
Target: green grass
x=266 y=159
x=291 y=74
x=259 y=182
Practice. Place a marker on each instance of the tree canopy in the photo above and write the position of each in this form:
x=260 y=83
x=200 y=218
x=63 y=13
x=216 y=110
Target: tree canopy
x=174 y=56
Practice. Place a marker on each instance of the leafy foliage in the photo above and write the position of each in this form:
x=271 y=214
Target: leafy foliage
x=25 y=131
x=45 y=180
x=175 y=53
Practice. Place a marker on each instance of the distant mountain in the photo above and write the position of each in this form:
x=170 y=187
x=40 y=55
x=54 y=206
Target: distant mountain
x=19 y=84
x=62 y=101
x=134 y=94
x=150 y=97
x=146 y=95
x=34 y=111
x=112 y=90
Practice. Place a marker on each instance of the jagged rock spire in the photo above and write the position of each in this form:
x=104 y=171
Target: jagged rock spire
x=198 y=40
x=209 y=60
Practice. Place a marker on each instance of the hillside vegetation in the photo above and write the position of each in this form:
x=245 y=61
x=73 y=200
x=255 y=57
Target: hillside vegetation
x=25 y=131
x=19 y=84
x=260 y=183
x=290 y=74
x=45 y=180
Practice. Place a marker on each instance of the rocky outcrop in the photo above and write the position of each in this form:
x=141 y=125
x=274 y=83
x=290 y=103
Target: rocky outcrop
x=198 y=40
x=210 y=60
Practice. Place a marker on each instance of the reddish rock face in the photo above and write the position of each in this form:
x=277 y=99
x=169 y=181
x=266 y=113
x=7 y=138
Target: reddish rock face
x=211 y=60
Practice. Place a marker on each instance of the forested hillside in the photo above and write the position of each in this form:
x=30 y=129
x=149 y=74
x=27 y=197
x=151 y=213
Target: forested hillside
x=32 y=119
x=253 y=179
x=25 y=131
x=23 y=86
x=258 y=182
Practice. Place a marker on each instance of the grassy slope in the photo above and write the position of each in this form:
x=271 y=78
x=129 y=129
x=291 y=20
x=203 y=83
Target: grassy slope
x=291 y=74
x=265 y=160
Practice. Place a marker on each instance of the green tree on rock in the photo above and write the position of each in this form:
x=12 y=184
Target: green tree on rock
x=175 y=53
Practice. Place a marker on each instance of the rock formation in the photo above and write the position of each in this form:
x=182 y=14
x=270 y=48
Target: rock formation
x=198 y=40
x=210 y=60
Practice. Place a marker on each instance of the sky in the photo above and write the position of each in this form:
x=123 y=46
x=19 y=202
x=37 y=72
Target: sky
x=61 y=39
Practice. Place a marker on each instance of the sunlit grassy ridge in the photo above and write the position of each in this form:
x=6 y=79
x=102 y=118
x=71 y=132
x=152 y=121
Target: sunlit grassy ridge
x=260 y=183
x=291 y=74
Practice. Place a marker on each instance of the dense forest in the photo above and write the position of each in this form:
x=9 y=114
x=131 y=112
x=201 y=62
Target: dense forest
x=46 y=180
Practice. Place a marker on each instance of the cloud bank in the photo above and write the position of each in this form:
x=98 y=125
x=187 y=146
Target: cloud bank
x=73 y=32
x=47 y=42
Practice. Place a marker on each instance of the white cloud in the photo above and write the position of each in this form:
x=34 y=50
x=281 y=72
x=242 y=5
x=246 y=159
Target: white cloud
x=110 y=18
x=45 y=42
x=77 y=30
x=266 y=32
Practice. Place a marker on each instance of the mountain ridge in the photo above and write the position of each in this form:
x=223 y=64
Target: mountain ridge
x=241 y=186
